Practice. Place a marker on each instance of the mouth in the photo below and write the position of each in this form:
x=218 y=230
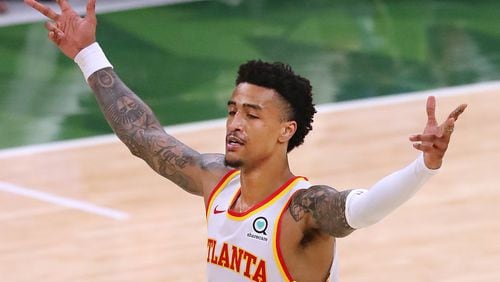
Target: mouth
x=233 y=143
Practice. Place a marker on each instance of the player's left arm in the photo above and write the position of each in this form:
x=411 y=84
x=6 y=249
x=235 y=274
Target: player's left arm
x=340 y=213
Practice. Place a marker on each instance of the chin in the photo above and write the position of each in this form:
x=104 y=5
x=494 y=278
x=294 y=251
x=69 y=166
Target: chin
x=233 y=163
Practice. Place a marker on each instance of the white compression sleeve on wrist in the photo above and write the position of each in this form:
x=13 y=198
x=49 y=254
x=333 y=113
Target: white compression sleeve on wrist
x=91 y=59
x=366 y=207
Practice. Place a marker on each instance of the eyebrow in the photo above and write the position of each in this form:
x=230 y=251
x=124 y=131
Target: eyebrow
x=245 y=105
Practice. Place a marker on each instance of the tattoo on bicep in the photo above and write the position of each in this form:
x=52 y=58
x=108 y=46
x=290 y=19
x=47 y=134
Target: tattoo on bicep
x=326 y=206
x=172 y=165
x=170 y=158
x=212 y=161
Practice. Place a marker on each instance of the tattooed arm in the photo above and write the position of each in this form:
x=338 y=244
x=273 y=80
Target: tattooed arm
x=339 y=213
x=135 y=124
x=323 y=208
x=131 y=119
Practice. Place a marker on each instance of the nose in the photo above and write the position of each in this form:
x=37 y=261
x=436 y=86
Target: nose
x=234 y=123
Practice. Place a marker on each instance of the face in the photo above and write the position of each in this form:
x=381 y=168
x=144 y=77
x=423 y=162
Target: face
x=256 y=127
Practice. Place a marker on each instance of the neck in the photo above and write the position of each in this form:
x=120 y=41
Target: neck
x=260 y=182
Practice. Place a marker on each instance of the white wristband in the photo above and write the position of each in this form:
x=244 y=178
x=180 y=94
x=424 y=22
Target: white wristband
x=92 y=59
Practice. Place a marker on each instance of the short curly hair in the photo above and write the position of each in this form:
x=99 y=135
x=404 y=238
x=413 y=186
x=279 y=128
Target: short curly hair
x=295 y=89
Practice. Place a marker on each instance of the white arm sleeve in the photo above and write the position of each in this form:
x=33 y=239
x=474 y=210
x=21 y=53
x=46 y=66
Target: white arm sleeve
x=366 y=207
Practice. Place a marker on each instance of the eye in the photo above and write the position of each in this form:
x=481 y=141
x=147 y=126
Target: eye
x=250 y=116
x=231 y=113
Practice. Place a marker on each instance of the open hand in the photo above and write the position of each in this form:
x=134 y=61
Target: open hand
x=435 y=138
x=70 y=32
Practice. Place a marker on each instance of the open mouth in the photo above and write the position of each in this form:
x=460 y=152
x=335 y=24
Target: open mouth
x=233 y=143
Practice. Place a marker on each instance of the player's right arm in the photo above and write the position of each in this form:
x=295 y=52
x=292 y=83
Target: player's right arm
x=130 y=118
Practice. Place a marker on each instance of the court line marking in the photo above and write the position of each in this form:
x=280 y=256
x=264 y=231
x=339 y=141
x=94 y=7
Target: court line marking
x=63 y=201
x=217 y=123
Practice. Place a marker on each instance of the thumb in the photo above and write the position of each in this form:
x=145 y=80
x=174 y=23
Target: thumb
x=448 y=127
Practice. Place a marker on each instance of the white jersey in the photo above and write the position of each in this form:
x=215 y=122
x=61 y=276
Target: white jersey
x=245 y=246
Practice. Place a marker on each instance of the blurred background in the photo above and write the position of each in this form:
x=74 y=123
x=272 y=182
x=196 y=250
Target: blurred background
x=182 y=58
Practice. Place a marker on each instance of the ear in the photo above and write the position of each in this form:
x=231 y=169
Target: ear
x=288 y=129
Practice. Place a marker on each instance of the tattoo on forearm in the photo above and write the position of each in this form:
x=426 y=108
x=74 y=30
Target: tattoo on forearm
x=125 y=111
x=327 y=207
x=105 y=78
x=135 y=124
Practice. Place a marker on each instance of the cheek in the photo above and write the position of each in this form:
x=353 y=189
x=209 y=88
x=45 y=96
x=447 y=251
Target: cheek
x=266 y=135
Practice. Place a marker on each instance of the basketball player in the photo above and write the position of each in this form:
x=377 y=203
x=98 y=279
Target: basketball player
x=264 y=223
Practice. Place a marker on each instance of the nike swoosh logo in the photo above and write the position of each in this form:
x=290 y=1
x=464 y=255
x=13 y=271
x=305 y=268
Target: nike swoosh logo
x=216 y=211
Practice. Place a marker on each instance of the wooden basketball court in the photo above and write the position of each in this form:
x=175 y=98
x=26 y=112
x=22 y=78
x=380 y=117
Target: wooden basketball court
x=153 y=231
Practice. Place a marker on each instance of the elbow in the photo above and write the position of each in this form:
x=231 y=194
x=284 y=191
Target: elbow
x=363 y=220
x=134 y=151
x=342 y=233
x=133 y=146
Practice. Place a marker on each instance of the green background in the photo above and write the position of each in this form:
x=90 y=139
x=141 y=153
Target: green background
x=182 y=59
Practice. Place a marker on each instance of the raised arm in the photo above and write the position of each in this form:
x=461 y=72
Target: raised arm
x=130 y=118
x=137 y=127
x=339 y=213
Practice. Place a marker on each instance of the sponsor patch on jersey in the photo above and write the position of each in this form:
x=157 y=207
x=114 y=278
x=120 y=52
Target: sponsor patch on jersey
x=259 y=231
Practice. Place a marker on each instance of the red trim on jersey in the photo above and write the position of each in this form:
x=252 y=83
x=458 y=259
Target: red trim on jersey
x=216 y=188
x=278 y=243
x=263 y=202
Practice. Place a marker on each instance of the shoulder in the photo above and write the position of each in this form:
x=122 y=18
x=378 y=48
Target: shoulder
x=215 y=171
x=321 y=207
